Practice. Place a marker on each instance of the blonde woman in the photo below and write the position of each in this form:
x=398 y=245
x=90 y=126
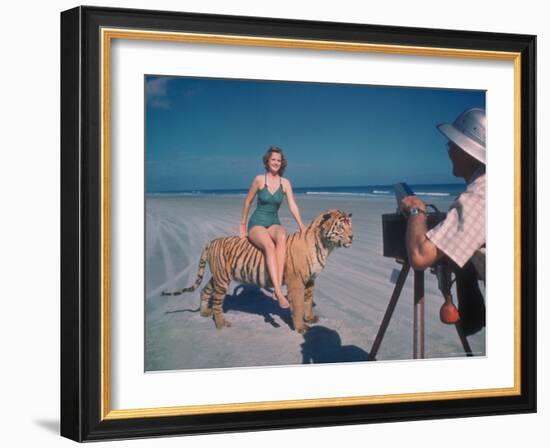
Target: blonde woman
x=264 y=228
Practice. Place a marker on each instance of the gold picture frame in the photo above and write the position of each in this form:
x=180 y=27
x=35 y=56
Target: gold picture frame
x=86 y=199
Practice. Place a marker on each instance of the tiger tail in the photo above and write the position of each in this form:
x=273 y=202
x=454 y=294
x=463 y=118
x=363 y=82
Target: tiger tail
x=200 y=275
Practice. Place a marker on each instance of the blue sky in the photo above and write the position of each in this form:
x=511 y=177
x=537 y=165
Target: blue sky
x=204 y=133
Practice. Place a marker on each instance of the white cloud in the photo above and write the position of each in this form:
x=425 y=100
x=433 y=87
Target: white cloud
x=157 y=93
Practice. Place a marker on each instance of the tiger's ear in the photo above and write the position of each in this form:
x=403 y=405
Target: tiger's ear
x=326 y=217
x=349 y=215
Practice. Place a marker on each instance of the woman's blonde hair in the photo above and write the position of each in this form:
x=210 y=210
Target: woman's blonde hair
x=267 y=155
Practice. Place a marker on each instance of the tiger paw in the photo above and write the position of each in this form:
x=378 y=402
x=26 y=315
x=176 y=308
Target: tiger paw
x=222 y=323
x=311 y=320
x=303 y=329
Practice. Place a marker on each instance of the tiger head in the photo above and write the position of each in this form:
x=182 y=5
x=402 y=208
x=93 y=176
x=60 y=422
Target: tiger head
x=335 y=228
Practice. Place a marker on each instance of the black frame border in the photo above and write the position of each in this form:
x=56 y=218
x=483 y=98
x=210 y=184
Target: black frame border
x=81 y=223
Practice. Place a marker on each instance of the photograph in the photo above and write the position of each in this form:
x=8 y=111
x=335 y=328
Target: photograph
x=293 y=223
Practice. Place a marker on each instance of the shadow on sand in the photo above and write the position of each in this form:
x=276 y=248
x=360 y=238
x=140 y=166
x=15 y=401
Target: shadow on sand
x=323 y=345
x=251 y=299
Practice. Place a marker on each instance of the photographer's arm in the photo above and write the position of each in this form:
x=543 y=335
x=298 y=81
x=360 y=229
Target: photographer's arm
x=422 y=252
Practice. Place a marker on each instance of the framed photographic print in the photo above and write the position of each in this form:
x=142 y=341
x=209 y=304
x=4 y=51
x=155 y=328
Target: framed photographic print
x=253 y=208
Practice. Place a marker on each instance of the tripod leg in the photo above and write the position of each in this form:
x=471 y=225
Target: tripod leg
x=463 y=339
x=389 y=310
x=418 y=321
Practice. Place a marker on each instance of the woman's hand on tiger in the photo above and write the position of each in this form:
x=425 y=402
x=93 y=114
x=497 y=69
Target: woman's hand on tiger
x=242 y=231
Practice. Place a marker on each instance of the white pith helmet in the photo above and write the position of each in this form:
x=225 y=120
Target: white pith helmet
x=468 y=132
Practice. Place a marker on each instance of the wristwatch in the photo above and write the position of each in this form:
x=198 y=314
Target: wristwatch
x=413 y=211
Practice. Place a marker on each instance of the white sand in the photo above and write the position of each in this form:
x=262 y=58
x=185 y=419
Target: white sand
x=351 y=294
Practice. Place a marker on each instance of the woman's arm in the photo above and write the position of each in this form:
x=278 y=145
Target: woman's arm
x=246 y=206
x=293 y=207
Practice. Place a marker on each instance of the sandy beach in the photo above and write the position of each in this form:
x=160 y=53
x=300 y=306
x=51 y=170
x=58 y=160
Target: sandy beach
x=351 y=294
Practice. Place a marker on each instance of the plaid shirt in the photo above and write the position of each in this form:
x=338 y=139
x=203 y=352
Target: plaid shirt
x=461 y=235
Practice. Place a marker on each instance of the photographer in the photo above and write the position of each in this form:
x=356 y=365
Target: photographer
x=461 y=236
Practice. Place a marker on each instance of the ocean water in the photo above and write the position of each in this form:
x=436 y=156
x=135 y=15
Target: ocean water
x=441 y=191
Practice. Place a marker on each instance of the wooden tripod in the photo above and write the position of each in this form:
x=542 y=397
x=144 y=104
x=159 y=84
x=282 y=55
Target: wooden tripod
x=418 y=317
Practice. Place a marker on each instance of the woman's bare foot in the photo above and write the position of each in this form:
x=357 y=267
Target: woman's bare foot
x=281 y=299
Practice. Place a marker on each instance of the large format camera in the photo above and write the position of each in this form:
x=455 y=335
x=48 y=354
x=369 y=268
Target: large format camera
x=394 y=230
x=394 y=225
x=394 y=234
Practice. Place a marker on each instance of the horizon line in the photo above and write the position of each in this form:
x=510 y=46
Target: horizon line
x=190 y=190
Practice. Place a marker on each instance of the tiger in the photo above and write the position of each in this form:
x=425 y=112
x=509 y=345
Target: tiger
x=235 y=258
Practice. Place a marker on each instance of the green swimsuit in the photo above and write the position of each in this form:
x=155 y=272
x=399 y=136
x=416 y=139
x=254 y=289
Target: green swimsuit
x=268 y=205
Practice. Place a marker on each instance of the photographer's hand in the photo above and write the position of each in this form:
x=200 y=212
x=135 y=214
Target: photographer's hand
x=412 y=202
x=422 y=252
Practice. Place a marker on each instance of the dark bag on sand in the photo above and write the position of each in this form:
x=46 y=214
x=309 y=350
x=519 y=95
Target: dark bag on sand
x=471 y=304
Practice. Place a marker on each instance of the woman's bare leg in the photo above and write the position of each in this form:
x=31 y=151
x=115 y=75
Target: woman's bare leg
x=278 y=235
x=260 y=237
